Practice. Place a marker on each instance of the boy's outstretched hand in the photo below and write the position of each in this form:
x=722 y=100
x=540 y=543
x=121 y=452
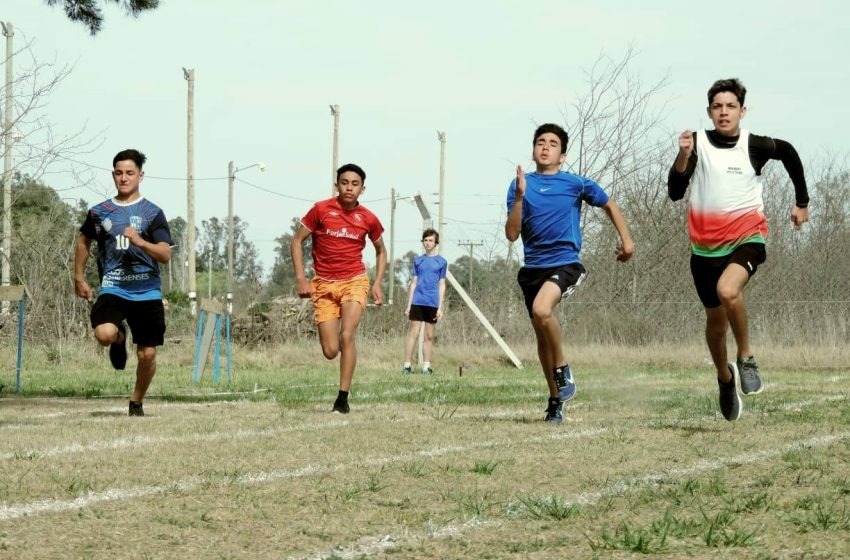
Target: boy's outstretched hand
x=624 y=251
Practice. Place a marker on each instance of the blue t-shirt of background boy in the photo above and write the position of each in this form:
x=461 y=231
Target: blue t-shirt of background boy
x=428 y=272
x=126 y=270
x=551 y=215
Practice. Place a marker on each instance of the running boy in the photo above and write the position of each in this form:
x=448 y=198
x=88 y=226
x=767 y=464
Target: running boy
x=425 y=299
x=339 y=227
x=728 y=228
x=545 y=208
x=132 y=238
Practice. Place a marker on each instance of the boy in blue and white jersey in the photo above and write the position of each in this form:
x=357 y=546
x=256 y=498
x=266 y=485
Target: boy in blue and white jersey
x=545 y=208
x=132 y=238
x=425 y=299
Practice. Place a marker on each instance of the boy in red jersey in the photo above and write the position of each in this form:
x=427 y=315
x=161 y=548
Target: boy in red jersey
x=339 y=227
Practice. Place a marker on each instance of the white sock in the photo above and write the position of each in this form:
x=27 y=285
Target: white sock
x=426 y=365
x=406 y=364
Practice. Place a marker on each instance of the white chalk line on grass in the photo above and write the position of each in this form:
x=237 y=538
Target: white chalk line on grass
x=368 y=546
x=496 y=413
x=135 y=441
x=8 y=513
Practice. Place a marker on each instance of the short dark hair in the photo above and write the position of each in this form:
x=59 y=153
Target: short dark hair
x=429 y=232
x=351 y=167
x=138 y=157
x=554 y=129
x=732 y=85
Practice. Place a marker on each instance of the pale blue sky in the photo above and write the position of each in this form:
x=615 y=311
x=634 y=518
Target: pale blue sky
x=485 y=72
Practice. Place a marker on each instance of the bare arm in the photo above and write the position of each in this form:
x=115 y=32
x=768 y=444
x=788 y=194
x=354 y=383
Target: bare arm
x=513 y=226
x=296 y=251
x=625 y=249
x=160 y=252
x=380 y=270
x=442 y=300
x=81 y=257
x=410 y=290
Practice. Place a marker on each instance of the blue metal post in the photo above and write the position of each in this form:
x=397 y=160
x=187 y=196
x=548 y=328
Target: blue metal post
x=217 y=358
x=195 y=370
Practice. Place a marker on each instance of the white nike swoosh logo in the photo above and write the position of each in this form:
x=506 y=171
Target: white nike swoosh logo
x=546 y=189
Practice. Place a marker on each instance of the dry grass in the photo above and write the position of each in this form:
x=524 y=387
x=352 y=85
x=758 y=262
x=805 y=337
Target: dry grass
x=436 y=467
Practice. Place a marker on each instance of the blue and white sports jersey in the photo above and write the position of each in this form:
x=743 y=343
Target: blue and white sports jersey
x=551 y=216
x=126 y=270
x=428 y=272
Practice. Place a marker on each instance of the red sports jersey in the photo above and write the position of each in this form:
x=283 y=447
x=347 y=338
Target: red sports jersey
x=339 y=237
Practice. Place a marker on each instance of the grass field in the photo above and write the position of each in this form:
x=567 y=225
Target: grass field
x=444 y=466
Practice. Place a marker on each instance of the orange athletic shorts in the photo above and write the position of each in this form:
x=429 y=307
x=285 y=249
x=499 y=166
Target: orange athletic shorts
x=329 y=295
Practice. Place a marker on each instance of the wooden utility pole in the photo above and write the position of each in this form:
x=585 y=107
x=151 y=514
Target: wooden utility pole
x=392 y=244
x=335 y=161
x=441 y=136
x=189 y=75
x=8 y=31
x=471 y=245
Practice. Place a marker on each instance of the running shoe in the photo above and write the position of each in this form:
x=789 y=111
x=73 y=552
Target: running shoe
x=341 y=406
x=118 y=350
x=136 y=409
x=427 y=371
x=750 y=381
x=566 y=385
x=407 y=370
x=730 y=400
x=553 y=411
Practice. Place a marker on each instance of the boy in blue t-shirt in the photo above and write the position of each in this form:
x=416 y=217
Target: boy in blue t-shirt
x=132 y=237
x=425 y=299
x=545 y=208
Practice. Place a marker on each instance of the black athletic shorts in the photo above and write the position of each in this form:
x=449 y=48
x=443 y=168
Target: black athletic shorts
x=567 y=277
x=423 y=313
x=145 y=318
x=707 y=270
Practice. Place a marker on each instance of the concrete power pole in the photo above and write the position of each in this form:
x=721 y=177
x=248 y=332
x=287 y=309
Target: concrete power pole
x=335 y=163
x=7 y=165
x=391 y=267
x=230 y=178
x=189 y=75
x=471 y=245
x=441 y=136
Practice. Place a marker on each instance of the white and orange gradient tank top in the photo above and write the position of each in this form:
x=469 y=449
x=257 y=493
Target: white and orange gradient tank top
x=725 y=208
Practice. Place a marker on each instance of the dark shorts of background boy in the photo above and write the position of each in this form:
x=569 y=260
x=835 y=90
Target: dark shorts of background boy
x=566 y=276
x=423 y=313
x=145 y=318
x=706 y=271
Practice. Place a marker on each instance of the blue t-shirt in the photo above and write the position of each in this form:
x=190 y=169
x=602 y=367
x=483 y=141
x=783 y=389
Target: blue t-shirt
x=428 y=272
x=551 y=215
x=126 y=270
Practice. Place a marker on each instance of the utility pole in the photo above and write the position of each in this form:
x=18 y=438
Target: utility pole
x=441 y=136
x=335 y=164
x=189 y=75
x=392 y=244
x=5 y=270
x=471 y=245
x=230 y=178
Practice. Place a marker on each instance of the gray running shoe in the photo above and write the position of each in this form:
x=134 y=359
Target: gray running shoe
x=750 y=381
x=730 y=400
x=553 y=411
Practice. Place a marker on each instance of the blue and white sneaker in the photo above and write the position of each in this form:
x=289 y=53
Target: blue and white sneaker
x=564 y=379
x=554 y=414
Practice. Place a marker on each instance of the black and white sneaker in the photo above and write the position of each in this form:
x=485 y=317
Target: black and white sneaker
x=730 y=400
x=118 y=350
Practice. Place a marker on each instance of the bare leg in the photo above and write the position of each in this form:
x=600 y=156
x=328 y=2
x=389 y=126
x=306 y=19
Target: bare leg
x=428 y=344
x=145 y=370
x=329 y=338
x=106 y=334
x=730 y=290
x=716 y=325
x=410 y=343
x=352 y=312
x=548 y=332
